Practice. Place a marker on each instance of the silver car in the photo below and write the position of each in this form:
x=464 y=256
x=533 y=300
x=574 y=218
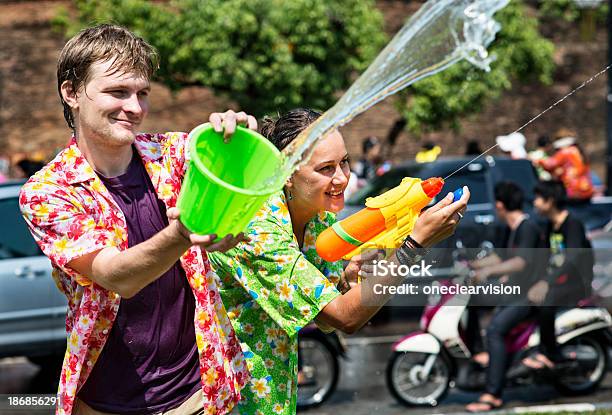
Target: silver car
x=32 y=309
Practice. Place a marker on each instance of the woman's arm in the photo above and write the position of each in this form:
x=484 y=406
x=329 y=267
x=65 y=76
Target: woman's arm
x=349 y=312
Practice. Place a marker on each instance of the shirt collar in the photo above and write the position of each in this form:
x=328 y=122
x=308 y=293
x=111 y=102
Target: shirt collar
x=77 y=169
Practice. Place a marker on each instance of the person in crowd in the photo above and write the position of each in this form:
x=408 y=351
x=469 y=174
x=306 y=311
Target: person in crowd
x=147 y=331
x=429 y=152
x=25 y=168
x=519 y=268
x=512 y=145
x=275 y=284
x=542 y=152
x=371 y=162
x=472 y=147
x=570 y=165
x=569 y=273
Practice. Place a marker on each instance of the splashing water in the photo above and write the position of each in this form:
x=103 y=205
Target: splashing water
x=440 y=34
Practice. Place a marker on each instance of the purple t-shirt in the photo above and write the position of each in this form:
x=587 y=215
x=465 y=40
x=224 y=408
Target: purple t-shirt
x=149 y=363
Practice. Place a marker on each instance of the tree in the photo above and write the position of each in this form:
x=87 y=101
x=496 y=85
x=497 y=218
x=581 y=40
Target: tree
x=441 y=100
x=267 y=55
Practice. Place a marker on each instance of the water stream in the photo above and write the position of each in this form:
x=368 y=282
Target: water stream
x=440 y=34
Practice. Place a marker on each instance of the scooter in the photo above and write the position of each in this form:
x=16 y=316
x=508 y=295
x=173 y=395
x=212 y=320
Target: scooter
x=425 y=364
x=319 y=355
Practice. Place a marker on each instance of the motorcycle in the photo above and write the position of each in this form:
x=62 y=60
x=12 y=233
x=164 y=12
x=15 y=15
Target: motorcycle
x=319 y=365
x=425 y=364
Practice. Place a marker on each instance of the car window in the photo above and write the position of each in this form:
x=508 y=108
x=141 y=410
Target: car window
x=475 y=181
x=15 y=238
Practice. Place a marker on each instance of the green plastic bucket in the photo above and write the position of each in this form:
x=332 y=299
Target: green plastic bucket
x=222 y=189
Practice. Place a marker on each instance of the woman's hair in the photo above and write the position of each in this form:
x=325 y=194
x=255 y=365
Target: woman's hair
x=283 y=130
x=102 y=43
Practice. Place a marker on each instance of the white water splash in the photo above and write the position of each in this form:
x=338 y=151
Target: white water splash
x=440 y=34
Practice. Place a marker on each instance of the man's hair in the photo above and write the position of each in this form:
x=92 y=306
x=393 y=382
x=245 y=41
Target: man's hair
x=510 y=194
x=285 y=128
x=552 y=190
x=102 y=43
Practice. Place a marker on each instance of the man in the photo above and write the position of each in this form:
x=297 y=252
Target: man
x=147 y=332
x=570 y=269
x=517 y=269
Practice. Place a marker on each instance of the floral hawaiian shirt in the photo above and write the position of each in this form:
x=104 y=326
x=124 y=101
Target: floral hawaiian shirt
x=71 y=213
x=272 y=289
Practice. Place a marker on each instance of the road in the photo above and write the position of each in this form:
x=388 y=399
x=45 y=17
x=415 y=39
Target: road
x=362 y=387
x=361 y=390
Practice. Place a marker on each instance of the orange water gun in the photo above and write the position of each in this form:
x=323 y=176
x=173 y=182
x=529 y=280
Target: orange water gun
x=384 y=222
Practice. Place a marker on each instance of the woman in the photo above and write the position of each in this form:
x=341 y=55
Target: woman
x=275 y=284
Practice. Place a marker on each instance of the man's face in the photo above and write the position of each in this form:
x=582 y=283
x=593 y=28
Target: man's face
x=542 y=206
x=111 y=106
x=500 y=210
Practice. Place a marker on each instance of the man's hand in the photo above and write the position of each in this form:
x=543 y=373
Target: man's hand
x=537 y=293
x=226 y=122
x=206 y=242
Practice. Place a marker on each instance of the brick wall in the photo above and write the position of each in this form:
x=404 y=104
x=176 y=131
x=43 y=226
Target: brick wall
x=31 y=117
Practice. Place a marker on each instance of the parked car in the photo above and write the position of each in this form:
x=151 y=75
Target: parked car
x=32 y=309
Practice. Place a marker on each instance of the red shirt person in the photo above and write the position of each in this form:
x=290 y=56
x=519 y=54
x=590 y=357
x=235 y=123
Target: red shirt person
x=569 y=165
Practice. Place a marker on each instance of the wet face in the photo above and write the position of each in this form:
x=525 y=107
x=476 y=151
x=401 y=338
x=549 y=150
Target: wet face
x=110 y=107
x=319 y=184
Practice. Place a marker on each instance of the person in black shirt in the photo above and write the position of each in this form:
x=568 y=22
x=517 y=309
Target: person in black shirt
x=570 y=268
x=518 y=268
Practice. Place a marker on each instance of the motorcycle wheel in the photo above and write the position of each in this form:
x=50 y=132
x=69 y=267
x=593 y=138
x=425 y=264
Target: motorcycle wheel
x=321 y=368
x=405 y=379
x=591 y=368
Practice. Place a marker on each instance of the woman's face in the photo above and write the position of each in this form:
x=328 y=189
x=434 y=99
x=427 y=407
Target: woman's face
x=319 y=184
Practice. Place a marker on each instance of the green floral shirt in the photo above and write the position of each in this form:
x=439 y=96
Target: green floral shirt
x=271 y=289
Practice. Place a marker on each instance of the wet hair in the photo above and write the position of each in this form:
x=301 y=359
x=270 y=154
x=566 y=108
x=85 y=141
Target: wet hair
x=510 y=194
x=102 y=43
x=552 y=190
x=543 y=141
x=283 y=129
x=369 y=143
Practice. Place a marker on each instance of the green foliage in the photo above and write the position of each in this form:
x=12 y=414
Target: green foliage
x=521 y=54
x=267 y=55
x=568 y=10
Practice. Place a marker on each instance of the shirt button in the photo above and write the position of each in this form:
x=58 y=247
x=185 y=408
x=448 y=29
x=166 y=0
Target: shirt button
x=105 y=331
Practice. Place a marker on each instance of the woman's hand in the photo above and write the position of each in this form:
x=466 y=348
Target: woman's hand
x=439 y=222
x=228 y=120
x=352 y=272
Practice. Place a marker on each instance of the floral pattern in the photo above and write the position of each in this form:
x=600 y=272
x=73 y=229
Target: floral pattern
x=272 y=289
x=71 y=213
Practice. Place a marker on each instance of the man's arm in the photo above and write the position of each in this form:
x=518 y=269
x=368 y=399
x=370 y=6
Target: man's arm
x=129 y=271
